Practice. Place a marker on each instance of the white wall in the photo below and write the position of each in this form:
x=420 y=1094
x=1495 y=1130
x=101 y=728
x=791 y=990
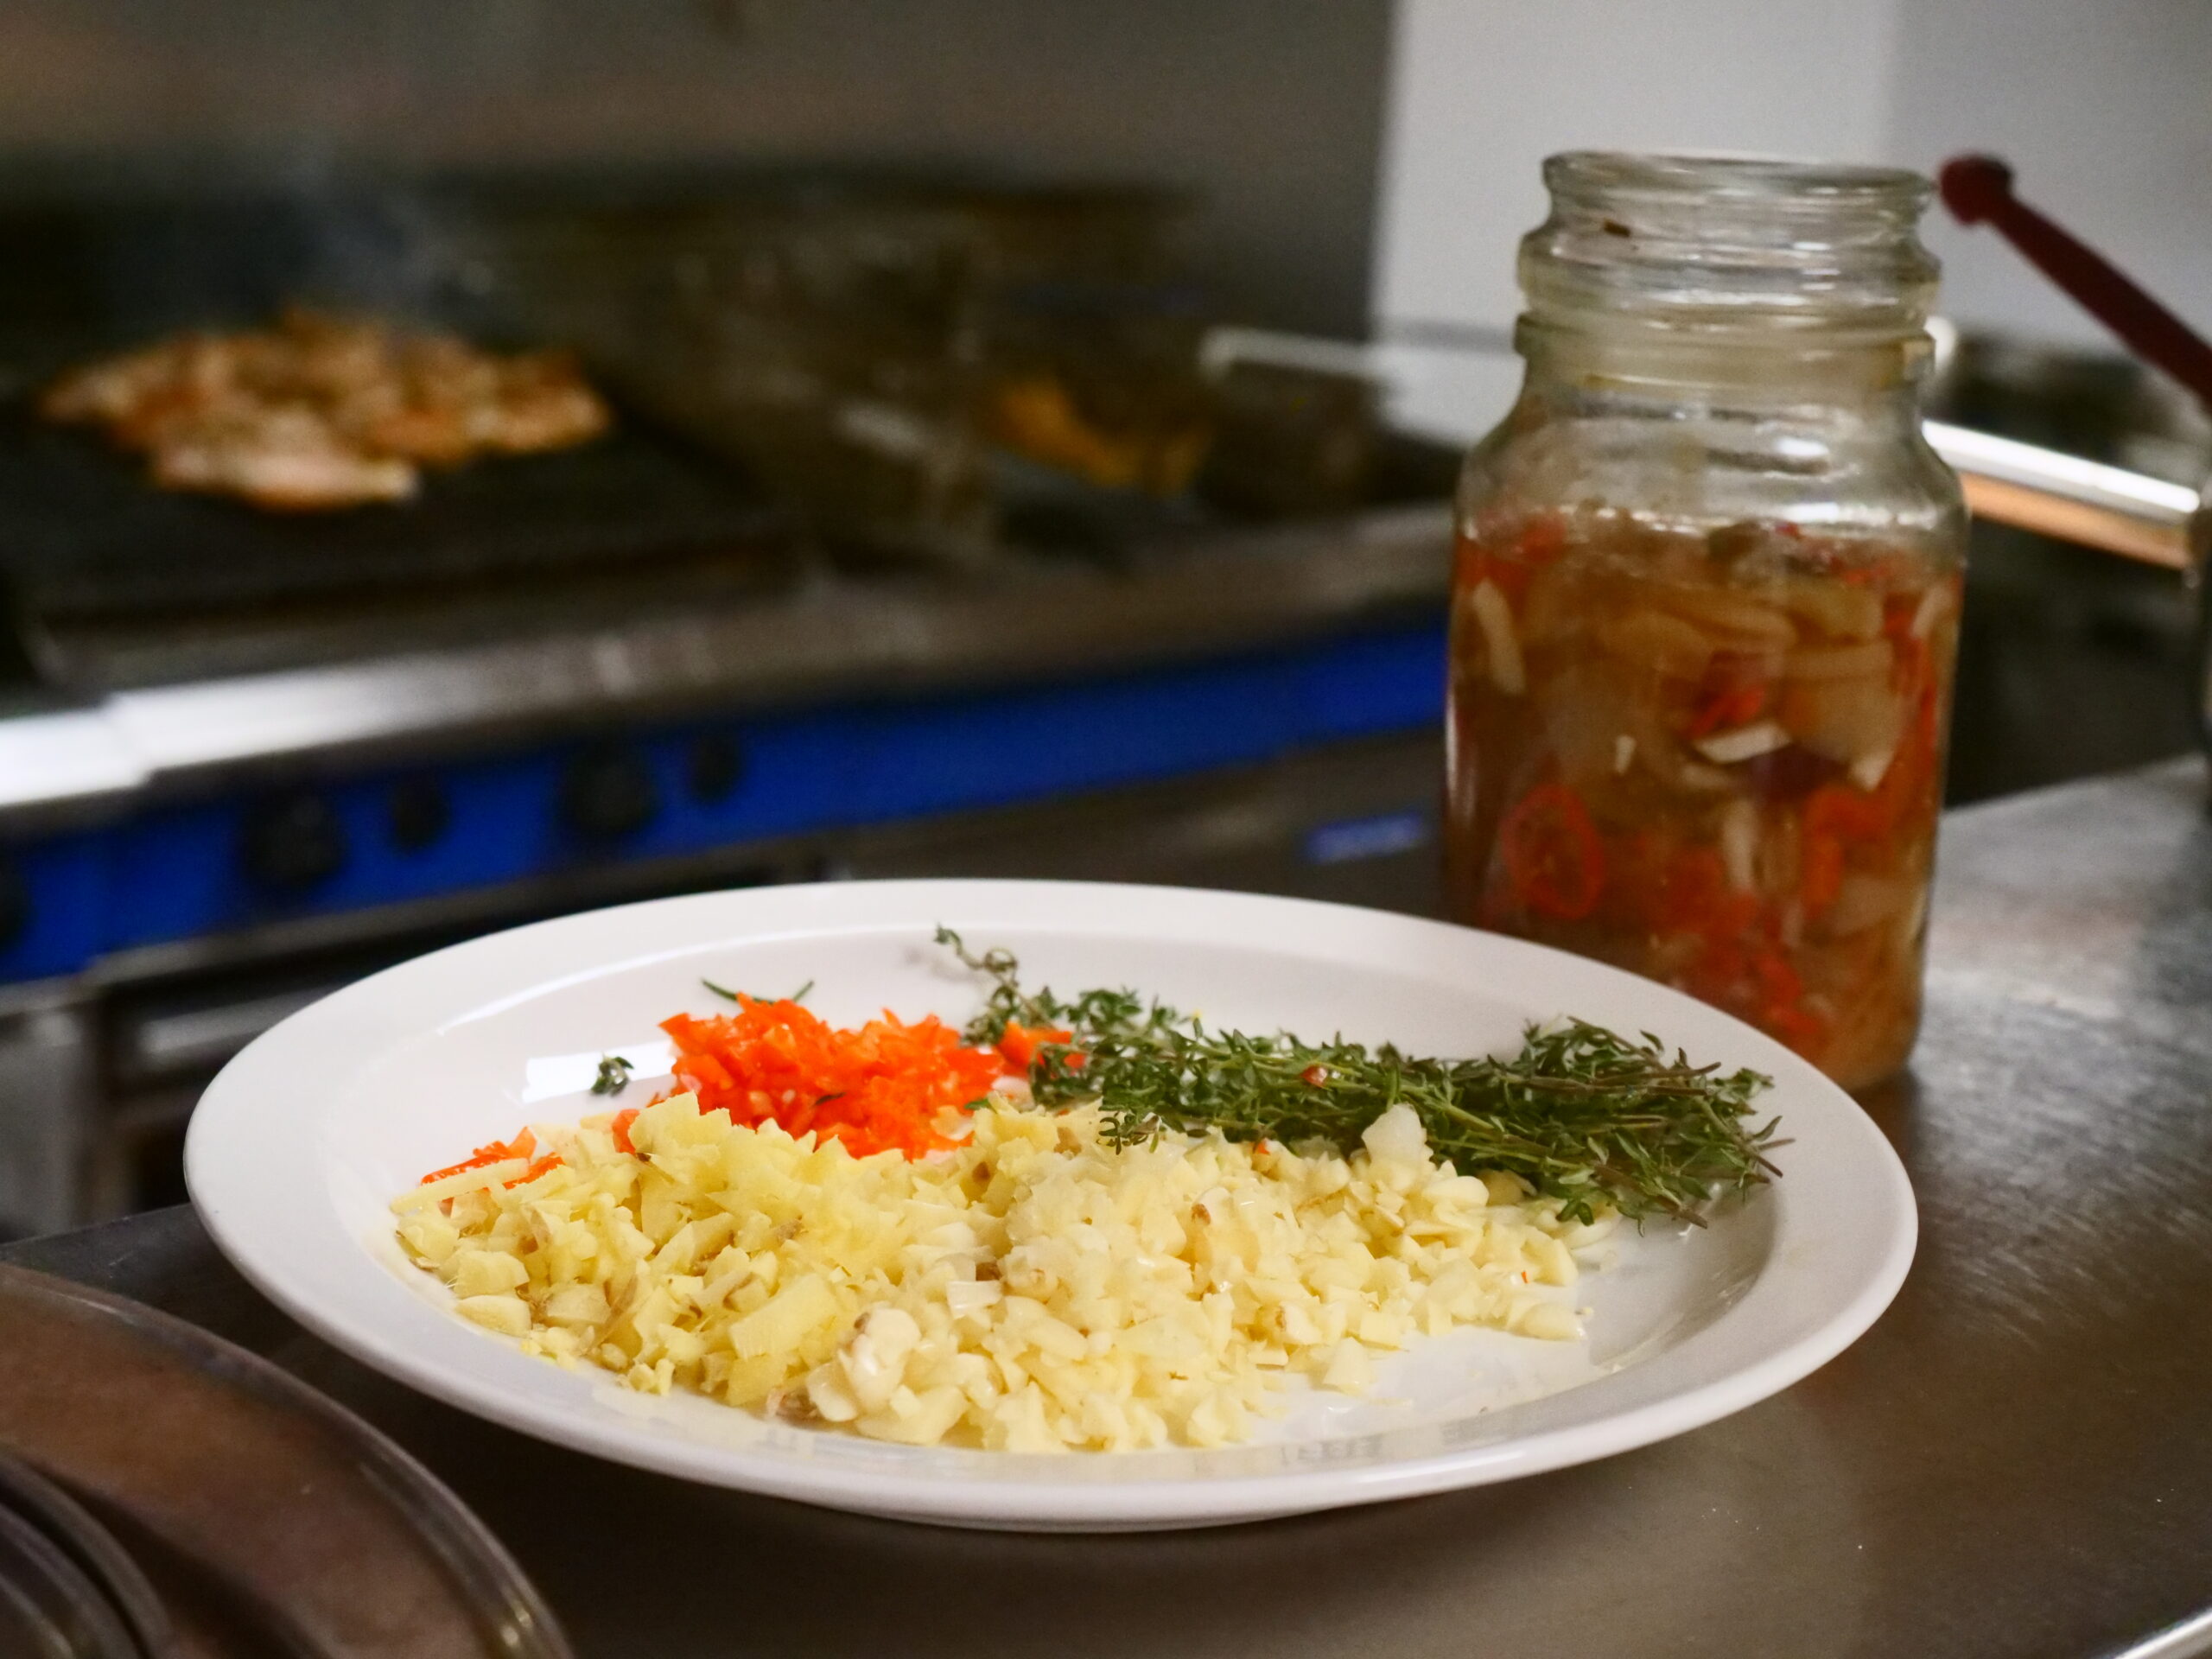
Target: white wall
x=2103 y=106
x=1482 y=90
x=1267 y=111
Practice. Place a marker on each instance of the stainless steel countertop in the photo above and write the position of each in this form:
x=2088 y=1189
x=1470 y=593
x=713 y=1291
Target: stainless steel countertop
x=2014 y=1461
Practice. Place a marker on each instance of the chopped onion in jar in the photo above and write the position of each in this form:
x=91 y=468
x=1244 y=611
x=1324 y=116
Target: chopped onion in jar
x=1553 y=606
x=1710 y=780
x=1743 y=622
x=1583 y=722
x=1745 y=743
x=1782 y=864
x=1494 y=617
x=1844 y=721
x=1933 y=604
x=1864 y=900
x=1657 y=752
x=1867 y=661
x=1868 y=770
x=1664 y=644
x=1834 y=607
x=1739 y=845
x=1914 y=917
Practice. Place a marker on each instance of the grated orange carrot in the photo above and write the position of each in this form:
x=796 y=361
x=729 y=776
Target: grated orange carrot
x=523 y=1146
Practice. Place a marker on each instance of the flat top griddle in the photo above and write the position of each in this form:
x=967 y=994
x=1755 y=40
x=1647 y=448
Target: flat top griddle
x=84 y=533
x=107 y=582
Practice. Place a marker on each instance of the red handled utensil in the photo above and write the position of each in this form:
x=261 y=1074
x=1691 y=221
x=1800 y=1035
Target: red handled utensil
x=1979 y=188
x=2062 y=496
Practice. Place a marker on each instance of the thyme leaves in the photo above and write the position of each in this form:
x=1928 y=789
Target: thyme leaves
x=1584 y=1115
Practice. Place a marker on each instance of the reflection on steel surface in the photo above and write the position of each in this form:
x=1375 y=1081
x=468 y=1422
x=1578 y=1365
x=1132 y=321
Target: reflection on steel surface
x=2063 y=496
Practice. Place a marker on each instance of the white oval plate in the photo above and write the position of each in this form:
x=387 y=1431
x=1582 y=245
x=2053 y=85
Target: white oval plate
x=298 y=1147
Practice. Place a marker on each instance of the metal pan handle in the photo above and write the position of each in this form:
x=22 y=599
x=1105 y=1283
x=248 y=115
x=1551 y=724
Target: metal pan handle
x=2083 y=501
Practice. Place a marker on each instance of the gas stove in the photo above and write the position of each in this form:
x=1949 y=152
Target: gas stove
x=222 y=800
x=244 y=757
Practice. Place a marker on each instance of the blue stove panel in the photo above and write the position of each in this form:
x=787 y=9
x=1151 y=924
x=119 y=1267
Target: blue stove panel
x=178 y=871
x=53 y=904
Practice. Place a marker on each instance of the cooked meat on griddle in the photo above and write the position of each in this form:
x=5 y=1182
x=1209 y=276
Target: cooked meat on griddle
x=322 y=411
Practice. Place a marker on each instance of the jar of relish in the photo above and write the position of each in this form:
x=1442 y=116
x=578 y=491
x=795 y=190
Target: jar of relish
x=1706 y=599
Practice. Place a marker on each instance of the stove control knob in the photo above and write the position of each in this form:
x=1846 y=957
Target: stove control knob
x=290 y=844
x=713 y=768
x=417 y=812
x=15 y=904
x=608 y=793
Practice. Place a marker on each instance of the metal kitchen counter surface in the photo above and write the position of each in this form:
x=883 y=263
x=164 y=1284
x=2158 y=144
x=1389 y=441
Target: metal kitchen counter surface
x=2016 y=1460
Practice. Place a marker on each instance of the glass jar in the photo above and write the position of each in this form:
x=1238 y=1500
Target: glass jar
x=1706 y=599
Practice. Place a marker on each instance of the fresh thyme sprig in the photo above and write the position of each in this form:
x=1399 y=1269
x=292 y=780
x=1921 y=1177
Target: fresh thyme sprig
x=729 y=996
x=613 y=1075
x=1584 y=1115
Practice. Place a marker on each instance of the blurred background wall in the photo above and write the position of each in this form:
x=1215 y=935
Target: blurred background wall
x=2102 y=108
x=1327 y=155
x=1270 y=111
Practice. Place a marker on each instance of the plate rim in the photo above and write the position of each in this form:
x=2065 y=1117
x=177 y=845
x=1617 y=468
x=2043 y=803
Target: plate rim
x=212 y=1175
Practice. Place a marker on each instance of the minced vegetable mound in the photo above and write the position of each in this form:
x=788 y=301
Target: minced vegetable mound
x=1025 y=1284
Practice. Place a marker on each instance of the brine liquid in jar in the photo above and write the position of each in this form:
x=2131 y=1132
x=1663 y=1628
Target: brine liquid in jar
x=1711 y=756
x=1706 y=598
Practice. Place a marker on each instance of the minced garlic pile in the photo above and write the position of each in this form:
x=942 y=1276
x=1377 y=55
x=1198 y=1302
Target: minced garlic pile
x=1036 y=1290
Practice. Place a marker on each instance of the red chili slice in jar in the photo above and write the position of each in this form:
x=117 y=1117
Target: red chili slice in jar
x=1822 y=877
x=1544 y=540
x=1552 y=853
x=1694 y=897
x=1509 y=564
x=1734 y=692
x=1724 y=710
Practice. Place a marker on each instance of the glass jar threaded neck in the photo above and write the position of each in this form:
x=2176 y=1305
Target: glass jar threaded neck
x=1724 y=250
